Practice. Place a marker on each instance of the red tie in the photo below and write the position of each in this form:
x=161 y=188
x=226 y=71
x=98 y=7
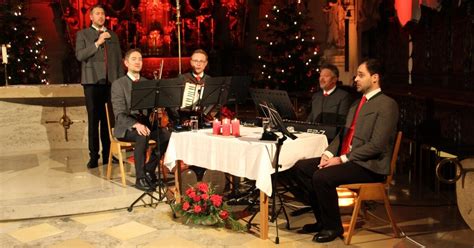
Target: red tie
x=346 y=144
x=105 y=60
x=326 y=94
x=198 y=78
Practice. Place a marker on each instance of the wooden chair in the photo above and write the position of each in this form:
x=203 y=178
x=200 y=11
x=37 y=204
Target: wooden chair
x=373 y=191
x=116 y=146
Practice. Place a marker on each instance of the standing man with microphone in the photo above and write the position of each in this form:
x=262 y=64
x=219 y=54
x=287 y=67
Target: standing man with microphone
x=99 y=51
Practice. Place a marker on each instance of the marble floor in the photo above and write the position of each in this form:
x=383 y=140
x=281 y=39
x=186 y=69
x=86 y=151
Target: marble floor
x=50 y=199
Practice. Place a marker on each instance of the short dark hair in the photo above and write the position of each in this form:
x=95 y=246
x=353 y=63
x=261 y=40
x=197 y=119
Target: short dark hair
x=374 y=66
x=95 y=6
x=201 y=51
x=127 y=54
x=330 y=67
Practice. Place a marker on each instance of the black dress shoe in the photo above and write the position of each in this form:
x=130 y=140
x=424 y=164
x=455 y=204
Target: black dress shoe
x=142 y=184
x=151 y=179
x=327 y=236
x=92 y=164
x=311 y=228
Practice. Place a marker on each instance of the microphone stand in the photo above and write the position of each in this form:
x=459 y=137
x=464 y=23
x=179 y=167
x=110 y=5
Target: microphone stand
x=178 y=25
x=199 y=109
x=161 y=186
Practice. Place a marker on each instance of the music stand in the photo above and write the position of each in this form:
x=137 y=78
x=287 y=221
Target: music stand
x=164 y=93
x=277 y=121
x=216 y=90
x=239 y=89
x=278 y=99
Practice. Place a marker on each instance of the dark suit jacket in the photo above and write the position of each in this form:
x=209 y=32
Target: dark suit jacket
x=374 y=134
x=92 y=58
x=121 y=96
x=330 y=109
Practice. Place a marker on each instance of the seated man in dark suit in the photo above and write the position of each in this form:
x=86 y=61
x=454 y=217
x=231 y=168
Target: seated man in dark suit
x=198 y=77
x=330 y=104
x=198 y=65
x=359 y=154
x=135 y=125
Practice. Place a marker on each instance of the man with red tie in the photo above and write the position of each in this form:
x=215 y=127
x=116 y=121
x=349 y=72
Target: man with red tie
x=199 y=60
x=198 y=65
x=359 y=154
x=331 y=103
x=99 y=51
x=196 y=76
x=329 y=106
x=134 y=125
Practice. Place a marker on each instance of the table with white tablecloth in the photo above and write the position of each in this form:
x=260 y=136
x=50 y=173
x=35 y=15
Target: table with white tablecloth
x=245 y=156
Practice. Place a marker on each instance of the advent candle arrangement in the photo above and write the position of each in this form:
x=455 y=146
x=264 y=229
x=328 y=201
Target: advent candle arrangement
x=225 y=127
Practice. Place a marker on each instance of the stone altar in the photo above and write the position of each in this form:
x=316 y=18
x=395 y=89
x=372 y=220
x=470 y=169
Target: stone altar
x=32 y=115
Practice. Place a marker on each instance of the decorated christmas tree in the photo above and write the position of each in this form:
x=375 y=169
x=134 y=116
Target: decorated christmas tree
x=287 y=51
x=27 y=62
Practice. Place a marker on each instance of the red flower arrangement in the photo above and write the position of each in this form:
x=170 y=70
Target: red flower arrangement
x=200 y=205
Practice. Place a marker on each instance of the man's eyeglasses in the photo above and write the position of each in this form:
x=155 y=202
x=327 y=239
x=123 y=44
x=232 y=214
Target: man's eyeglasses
x=199 y=61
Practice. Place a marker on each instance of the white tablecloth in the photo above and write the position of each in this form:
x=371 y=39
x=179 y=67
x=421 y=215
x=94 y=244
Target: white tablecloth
x=245 y=156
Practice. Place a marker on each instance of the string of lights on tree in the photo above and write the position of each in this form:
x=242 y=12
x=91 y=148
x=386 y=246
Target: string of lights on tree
x=27 y=62
x=288 y=53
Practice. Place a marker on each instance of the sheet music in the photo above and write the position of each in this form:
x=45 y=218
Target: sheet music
x=192 y=94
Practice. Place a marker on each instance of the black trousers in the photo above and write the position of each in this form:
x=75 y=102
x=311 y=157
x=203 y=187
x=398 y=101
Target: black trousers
x=160 y=135
x=321 y=186
x=96 y=96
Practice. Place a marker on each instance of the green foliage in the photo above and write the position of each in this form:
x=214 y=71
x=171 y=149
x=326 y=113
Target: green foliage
x=288 y=54
x=27 y=62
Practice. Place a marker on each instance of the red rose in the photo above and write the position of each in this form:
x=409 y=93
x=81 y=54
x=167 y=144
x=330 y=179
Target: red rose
x=203 y=187
x=189 y=191
x=216 y=200
x=192 y=194
x=205 y=196
x=196 y=198
x=224 y=214
x=186 y=206
x=197 y=209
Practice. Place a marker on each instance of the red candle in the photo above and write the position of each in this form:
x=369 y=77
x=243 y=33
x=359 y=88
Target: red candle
x=235 y=127
x=225 y=127
x=216 y=126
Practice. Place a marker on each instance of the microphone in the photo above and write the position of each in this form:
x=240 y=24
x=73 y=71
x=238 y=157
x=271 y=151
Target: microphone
x=101 y=32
